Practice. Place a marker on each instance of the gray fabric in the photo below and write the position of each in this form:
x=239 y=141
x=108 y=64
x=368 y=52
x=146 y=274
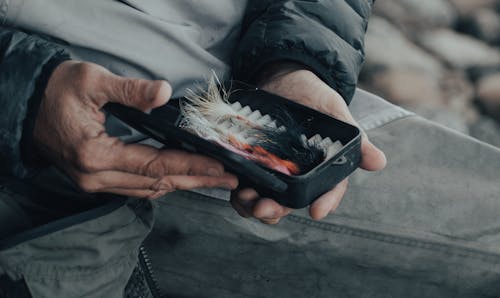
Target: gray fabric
x=327 y=36
x=149 y=38
x=22 y=58
x=181 y=41
x=426 y=226
x=13 y=219
x=369 y=110
x=94 y=258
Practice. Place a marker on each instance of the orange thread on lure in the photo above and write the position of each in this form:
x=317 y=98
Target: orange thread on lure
x=272 y=161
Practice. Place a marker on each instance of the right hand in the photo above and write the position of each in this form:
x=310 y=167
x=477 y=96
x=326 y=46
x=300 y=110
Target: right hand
x=69 y=131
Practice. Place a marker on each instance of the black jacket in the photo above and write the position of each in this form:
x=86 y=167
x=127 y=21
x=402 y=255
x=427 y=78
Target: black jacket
x=326 y=36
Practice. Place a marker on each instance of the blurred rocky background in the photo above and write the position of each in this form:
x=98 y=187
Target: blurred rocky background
x=440 y=59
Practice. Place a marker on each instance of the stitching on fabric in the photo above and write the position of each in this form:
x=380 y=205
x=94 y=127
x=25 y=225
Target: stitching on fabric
x=448 y=249
x=113 y=266
x=385 y=120
x=34 y=271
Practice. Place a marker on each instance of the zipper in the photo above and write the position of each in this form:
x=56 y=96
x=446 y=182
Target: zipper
x=149 y=276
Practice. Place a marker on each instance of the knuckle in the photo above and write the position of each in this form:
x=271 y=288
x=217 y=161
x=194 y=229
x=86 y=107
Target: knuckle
x=128 y=89
x=85 y=72
x=85 y=68
x=131 y=92
x=88 y=76
x=154 y=168
x=165 y=185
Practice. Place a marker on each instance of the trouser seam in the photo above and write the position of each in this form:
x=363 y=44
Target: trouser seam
x=387 y=121
x=450 y=250
x=435 y=246
x=74 y=273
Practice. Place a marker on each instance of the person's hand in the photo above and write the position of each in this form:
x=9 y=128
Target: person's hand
x=69 y=131
x=303 y=86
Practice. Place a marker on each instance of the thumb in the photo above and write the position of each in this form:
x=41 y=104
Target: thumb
x=138 y=93
x=372 y=158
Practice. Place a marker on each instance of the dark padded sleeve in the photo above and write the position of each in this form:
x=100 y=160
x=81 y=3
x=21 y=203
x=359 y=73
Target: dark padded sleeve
x=23 y=58
x=326 y=36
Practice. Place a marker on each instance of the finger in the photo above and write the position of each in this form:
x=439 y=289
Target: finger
x=138 y=93
x=240 y=209
x=99 y=181
x=106 y=153
x=247 y=197
x=372 y=158
x=243 y=201
x=150 y=188
x=328 y=202
x=185 y=163
x=146 y=160
x=270 y=221
x=269 y=211
x=182 y=182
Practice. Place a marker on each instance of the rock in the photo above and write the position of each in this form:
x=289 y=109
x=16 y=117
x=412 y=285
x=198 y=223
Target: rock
x=483 y=24
x=486 y=130
x=408 y=88
x=467 y=7
x=443 y=116
x=414 y=89
x=417 y=13
x=472 y=116
x=387 y=47
x=488 y=94
x=457 y=92
x=459 y=50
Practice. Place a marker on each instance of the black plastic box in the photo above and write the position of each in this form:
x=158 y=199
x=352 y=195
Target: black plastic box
x=293 y=191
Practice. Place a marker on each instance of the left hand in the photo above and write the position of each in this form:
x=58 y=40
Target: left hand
x=303 y=86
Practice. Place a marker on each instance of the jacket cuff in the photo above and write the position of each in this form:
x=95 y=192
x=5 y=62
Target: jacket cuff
x=22 y=61
x=29 y=154
x=273 y=55
x=326 y=36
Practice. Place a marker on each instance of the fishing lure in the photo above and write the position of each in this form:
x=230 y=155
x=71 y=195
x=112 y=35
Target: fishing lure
x=277 y=142
x=284 y=150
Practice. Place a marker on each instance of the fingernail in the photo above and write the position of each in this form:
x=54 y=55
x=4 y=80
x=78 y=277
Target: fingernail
x=159 y=90
x=272 y=221
x=151 y=91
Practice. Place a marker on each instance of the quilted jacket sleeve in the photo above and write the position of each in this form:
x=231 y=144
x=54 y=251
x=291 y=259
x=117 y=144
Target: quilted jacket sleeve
x=327 y=36
x=25 y=61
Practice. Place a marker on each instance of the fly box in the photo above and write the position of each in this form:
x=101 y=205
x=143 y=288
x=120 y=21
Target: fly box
x=284 y=150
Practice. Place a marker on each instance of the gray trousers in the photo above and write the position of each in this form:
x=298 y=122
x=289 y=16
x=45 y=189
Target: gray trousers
x=426 y=226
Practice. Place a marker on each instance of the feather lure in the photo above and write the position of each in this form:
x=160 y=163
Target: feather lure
x=278 y=143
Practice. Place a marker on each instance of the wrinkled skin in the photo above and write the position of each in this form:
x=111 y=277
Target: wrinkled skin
x=69 y=131
x=292 y=81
